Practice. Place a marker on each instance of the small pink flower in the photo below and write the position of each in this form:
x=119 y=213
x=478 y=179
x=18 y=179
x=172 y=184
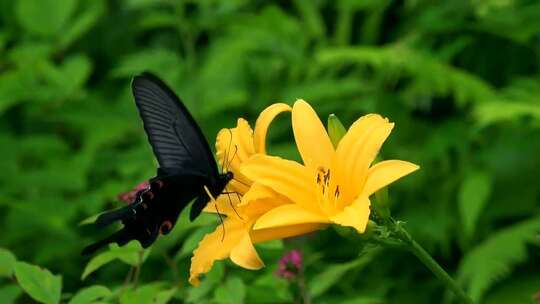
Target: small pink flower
x=289 y=265
x=129 y=197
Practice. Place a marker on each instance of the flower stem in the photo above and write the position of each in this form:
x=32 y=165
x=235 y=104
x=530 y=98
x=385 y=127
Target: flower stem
x=304 y=294
x=430 y=263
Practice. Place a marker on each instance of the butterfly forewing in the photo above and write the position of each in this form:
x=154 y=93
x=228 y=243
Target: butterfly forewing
x=186 y=166
x=175 y=137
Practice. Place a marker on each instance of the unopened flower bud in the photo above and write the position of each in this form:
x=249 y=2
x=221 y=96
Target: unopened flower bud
x=336 y=130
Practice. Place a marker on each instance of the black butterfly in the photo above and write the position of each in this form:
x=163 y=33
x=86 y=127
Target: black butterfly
x=186 y=166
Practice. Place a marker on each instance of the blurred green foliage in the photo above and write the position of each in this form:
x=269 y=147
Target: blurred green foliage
x=461 y=80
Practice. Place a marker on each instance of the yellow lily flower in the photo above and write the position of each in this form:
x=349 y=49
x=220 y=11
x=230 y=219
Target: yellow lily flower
x=235 y=238
x=333 y=185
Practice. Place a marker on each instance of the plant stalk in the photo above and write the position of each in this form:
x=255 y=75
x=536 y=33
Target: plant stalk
x=435 y=268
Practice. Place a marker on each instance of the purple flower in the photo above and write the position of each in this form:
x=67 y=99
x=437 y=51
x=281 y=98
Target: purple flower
x=129 y=197
x=289 y=265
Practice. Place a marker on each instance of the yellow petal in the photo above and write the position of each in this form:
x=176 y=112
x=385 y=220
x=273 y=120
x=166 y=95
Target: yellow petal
x=358 y=148
x=214 y=247
x=355 y=215
x=286 y=215
x=260 y=199
x=239 y=184
x=277 y=233
x=263 y=122
x=233 y=147
x=245 y=255
x=386 y=172
x=311 y=138
x=286 y=177
x=257 y=192
x=224 y=203
x=259 y=207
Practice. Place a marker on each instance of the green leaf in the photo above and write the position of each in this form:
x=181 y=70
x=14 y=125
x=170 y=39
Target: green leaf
x=96 y=263
x=129 y=254
x=196 y=294
x=505 y=110
x=158 y=59
x=472 y=198
x=493 y=259
x=9 y=294
x=164 y=296
x=333 y=273
x=39 y=283
x=518 y=289
x=83 y=22
x=191 y=242
x=90 y=295
x=7 y=262
x=70 y=76
x=12 y=86
x=312 y=17
x=271 y=245
x=143 y=294
x=44 y=17
x=89 y=220
x=132 y=253
x=233 y=292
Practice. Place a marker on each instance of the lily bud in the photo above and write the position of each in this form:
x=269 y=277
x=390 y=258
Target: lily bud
x=336 y=130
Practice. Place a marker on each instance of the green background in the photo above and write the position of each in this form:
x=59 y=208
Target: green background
x=460 y=79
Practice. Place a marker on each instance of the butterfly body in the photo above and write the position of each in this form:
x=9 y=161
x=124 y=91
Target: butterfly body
x=187 y=169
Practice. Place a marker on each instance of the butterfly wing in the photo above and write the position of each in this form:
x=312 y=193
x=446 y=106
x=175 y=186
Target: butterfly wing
x=175 y=137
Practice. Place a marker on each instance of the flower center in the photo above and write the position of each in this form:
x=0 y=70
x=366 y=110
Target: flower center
x=328 y=191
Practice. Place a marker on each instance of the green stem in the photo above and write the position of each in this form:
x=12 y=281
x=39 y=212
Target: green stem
x=430 y=263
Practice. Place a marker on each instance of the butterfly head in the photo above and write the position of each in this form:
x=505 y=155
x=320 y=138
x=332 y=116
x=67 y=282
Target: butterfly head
x=222 y=181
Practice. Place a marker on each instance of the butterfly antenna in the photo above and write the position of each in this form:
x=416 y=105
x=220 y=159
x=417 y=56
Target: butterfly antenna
x=232 y=158
x=221 y=220
x=213 y=200
x=232 y=206
x=226 y=159
x=238 y=196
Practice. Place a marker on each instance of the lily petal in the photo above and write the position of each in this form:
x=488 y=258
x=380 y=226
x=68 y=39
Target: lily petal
x=359 y=147
x=286 y=177
x=355 y=215
x=245 y=255
x=257 y=192
x=311 y=137
x=234 y=146
x=262 y=235
x=263 y=122
x=286 y=215
x=386 y=172
x=224 y=205
x=258 y=207
x=212 y=248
